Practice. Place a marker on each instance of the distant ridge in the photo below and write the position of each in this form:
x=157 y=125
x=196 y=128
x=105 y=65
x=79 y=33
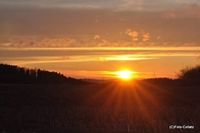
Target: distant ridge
x=19 y=75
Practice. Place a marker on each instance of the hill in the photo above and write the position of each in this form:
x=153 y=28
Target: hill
x=18 y=75
x=36 y=101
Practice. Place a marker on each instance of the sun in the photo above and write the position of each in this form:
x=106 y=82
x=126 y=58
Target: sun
x=125 y=74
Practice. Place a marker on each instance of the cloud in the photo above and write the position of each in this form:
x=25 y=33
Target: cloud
x=138 y=36
x=97 y=37
x=140 y=5
x=81 y=25
x=39 y=42
x=188 y=11
x=63 y=3
x=154 y=5
x=133 y=34
x=146 y=37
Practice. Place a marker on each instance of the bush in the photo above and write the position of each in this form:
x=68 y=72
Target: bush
x=190 y=74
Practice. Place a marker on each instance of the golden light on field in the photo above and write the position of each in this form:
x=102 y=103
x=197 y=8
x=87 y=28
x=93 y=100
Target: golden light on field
x=125 y=74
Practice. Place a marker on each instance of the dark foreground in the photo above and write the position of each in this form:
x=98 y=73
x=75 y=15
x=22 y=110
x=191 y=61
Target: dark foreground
x=99 y=108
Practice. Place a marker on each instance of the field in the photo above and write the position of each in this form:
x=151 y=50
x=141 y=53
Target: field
x=103 y=107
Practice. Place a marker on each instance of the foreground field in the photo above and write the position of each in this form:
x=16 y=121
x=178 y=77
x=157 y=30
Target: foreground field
x=110 y=107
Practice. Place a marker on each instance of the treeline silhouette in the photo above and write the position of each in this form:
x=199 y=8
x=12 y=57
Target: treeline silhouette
x=190 y=74
x=19 y=75
x=15 y=74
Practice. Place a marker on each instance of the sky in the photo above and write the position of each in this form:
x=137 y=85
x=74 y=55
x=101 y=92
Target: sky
x=110 y=4
x=90 y=38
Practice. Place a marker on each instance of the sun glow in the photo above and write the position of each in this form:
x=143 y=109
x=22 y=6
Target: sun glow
x=125 y=74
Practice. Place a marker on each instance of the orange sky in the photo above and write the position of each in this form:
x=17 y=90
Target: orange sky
x=99 y=62
x=95 y=38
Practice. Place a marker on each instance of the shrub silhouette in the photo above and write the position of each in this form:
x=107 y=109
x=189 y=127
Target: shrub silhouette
x=15 y=74
x=190 y=74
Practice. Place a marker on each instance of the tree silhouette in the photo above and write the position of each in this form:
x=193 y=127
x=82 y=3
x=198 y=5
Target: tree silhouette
x=15 y=74
x=190 y=74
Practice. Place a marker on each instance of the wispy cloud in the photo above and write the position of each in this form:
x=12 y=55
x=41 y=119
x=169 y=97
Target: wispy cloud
x=187 y=11
x=95 y=54
x=140 y=5
x=78 y=27
x=92 y=62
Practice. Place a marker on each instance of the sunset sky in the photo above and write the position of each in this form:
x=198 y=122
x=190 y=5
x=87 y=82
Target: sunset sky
x=93 y=38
